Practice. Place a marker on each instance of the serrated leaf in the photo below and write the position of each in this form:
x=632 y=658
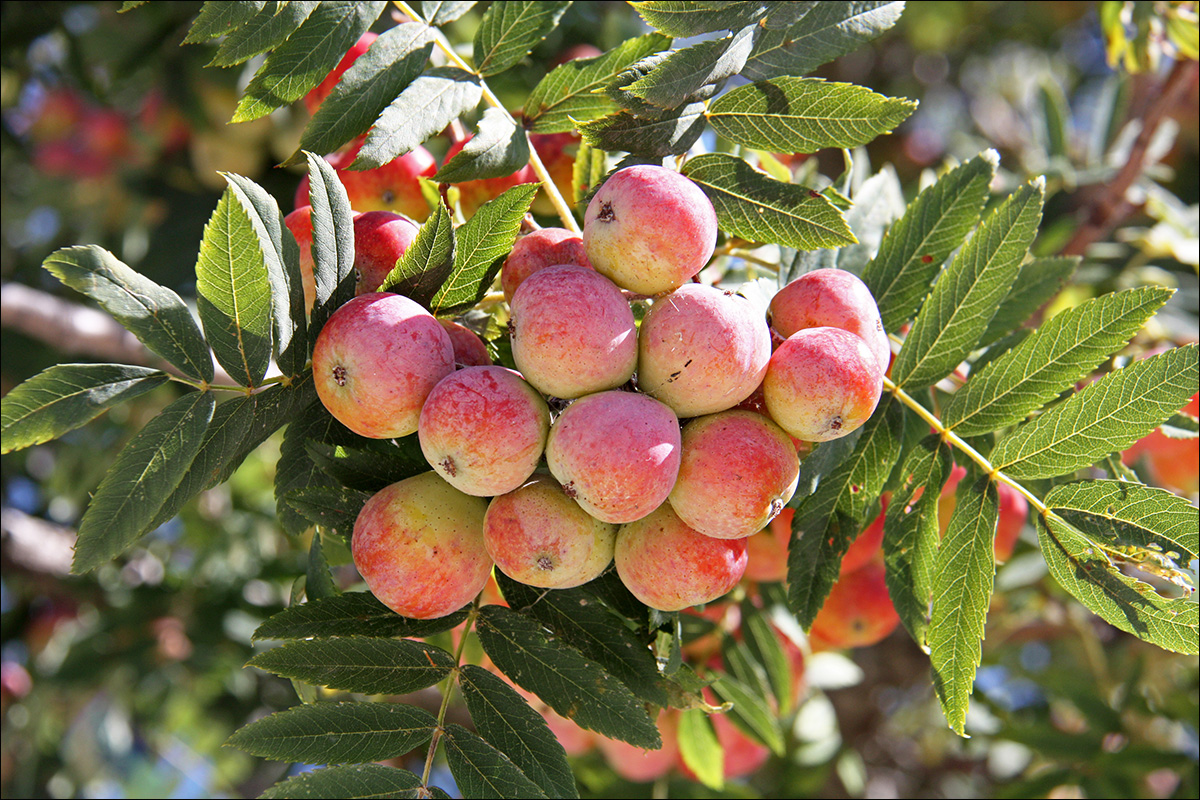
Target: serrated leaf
x=370 y=468
x=1121 y=513
x=318 y=581
x=332 y=242
x=684 y=19
x=804 y=115
x=962 y=589
x=913 y=249
x=911 y=534
x=372 y=82
x=336 y=733
x=753 y=206
x=481 y=245
x=68 y=396
x=700 y=749
x=480 y=770
x=269 y=28
x=369 y=665
x=750 y=713
x=499 y=148
x=281 y=258
x=594 y=630
x=508 y=723
x=763 y=645
x=439 y=12
x=588 y=171
x=828 y=520
x=217 y=17
x=1082 y=568
x=1106 y=416
x=426 y=106
x=332 y=507
x=670 y=134
x=571 y=94
x=829 y=29
x=427 y=262
x=296 y=468
x=559 y=674
x=233 y=293
x=684 y=73
x=349 y=781
x=154 y=314
x=508 y=31
x=1060 y=353
x=1038 y=281
x=967 y=294
x=610 y=590
x=350 y=614
x=141 y=478
x=307 y=57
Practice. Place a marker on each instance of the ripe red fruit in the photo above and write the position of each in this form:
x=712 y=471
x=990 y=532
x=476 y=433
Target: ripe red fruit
x=313 y=100
x=395 y=186
x=834 y=298
x=858 y=611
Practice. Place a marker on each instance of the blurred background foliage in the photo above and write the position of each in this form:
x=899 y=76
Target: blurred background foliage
x=126 y=682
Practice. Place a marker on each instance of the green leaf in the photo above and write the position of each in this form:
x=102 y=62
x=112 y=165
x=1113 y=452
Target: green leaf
x=559 y=674
x=334 y=508
x=349 y=781
x=597 y=632
x=1121 y=513
x=571 y=94
x=702 y=753
x=508 y=31
x=296 y=468
x=1084 y=569
x=481 y=245
x=1180 y=426
x=1106 y=416
x=480 y=770
x=307 y=57
x=1060 y=353
x=371 y=467
x=508 y=723
x=757 y=208
x=68 y=396
x=350 y=614
x=217 y=17
x=962 y=588
x=828 y=520
x=684 y=19
x=439 y=12
x=499 y=148
x=610 y=590
x=763 y=645
x=281 y=258
x=911 y=535
x=373 y=81
x=588 y=171
x=332 y=242
x=967 y=294
x=750 y=713
x=427 y=262
x=369 y=665
x=671 y=134
x=1054 y=118
x=1038 y=281
x=140 y=480
x=430 y=103
x=829 y=29
x=154 y=314
x=804 y=115
x=683 y=74
x=336 y=733
x=233 y=293
x=318 y=581
x=912 y=251
x=269 y=29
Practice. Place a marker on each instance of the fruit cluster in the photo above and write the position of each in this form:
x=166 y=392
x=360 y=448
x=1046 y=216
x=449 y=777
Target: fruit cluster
x=623 y=481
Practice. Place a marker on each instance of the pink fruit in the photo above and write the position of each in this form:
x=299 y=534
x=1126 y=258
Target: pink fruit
x=483 y=429
x=669 y=566
x=572 y=332
x=375 y=361
x=702 y=350
x=546 y=247
x=767 y=550
x=313 y=100
x=822 y=383
x=738 y=470
x=419 y=546
x=830 y=298
x=642 y=766
x=539 y=536
x=299 y=222
x=380 y=238
x=858 y=611
x=649 y=229
x=616 y=453
x=469 y=349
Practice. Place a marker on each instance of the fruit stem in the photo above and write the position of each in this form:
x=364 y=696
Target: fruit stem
x=441 y=717
x=954 y=439
x=535 y=161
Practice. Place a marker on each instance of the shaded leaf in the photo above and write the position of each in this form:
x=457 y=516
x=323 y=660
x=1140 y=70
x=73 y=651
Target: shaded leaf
x=68 y=396
x=681 y=75
x=296 y=468
x=508 y=31
x=1038 y=281
x=427 y=262
x=369 y=665
x=671 y=133
x=588 y=171
x=693 y=18
x=439 y=12
x=480 y=770
x=318 y=581
x=350 y=614
x=335 y=733
x=1121 y=513
x=829 y=29
x=750 y=713
x=154 y=314
x=140 y=480
x=498 y=149
x=763 y=645
x=348 y=781
x=217 y=17
x=753 y=206
x=372 y=467
x=332 y=242
x=425 y=107
x=332 y=507
x=269 y=28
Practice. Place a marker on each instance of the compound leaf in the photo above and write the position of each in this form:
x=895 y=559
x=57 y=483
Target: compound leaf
x=370 y=665
x=499 y=148
x=481 y=770
x=1121 y=513
x=332 y=242
x=427 y=262
x=349 y=781
x=683 y=74
x=269 y=28
x=334 y=508
x=439 y=12
x=296 y=468
x=672 y=133
x=508 y=31
x=1037 y=282
x=217 y=17
x=829 y=29
x=684 y=19
x=350 y=614
x=336 y=733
